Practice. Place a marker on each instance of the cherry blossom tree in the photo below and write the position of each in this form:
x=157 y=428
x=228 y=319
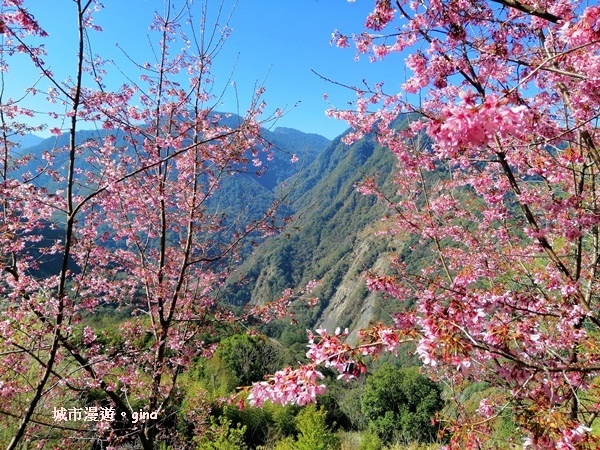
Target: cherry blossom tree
x=497 y=178
x=129 y=204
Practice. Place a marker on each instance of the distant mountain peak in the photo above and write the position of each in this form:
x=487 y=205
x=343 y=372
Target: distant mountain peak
x=27 y=140
x=294 y=131
x=288 y=130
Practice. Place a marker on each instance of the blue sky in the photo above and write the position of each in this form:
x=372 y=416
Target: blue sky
x=278 y=41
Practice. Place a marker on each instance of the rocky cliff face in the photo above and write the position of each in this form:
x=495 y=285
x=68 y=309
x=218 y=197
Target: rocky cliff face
x=351 y=304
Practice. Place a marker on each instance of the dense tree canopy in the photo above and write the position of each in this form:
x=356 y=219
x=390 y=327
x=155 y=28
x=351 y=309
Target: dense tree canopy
x=402 y=404
x=250 y=358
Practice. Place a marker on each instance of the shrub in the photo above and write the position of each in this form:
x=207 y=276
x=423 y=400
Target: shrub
x=313 y=433
x=370 y=441
x=222 y=436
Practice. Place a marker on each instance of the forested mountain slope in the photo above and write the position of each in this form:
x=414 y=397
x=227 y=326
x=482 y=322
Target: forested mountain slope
x=243 y=196
x=332 y=239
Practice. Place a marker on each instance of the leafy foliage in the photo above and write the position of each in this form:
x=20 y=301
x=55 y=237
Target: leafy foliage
x=313 y=433
x=221 y=436
x=401 y=405
x=370 y=441
x=250 y=358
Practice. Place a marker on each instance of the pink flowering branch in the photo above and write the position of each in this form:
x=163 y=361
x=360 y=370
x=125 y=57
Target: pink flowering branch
x=504 y=193
x=302 y=385
x=139 y=233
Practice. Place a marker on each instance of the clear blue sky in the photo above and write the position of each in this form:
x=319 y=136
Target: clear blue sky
x=280 y=40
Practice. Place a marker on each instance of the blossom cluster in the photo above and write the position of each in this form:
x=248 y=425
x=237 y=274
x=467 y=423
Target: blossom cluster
x=289 y=386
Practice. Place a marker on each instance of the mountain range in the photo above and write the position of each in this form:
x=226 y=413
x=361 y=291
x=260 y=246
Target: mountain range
x=333 y=236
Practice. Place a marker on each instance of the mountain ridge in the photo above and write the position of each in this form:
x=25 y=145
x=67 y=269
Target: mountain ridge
x=334 y=237
x=327 y=239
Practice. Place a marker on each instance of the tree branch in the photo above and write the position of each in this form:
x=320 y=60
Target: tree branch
x=529 y=10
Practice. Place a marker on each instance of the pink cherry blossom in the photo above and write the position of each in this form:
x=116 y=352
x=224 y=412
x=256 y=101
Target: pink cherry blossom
x=503 y=194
